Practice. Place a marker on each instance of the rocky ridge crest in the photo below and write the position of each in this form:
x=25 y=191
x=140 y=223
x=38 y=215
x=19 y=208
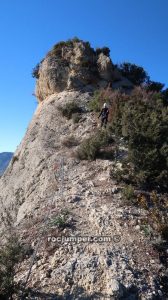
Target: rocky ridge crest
x=74 y=65
x=45 y=178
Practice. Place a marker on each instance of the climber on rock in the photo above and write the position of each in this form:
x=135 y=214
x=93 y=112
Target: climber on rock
x=104 y=115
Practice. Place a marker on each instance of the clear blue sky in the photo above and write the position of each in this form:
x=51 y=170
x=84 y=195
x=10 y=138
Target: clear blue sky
x=134 y=30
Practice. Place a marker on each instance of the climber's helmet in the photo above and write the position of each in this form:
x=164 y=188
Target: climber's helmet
x=105 y=105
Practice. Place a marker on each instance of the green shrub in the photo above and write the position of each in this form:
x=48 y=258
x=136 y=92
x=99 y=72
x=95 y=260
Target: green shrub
x=94 y=104
x=116 y=174
x=124 y=175
x=128 y=192
x=87 y=44
x=11 y=253
x=165 y=95
x=136 y=74
x=75 y=39
x=35 y=71
x=69 y=109
x=90 y=147
x=57 y=48
x=61 y=220
x=147 y=130
x=142 y=119
x=155 y=86
x=104 y=50
x=146 y=230
x=97 y=101
x=70 y=141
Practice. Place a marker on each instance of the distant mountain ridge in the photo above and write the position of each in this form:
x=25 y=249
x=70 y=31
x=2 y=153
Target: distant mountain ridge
x=5 y=158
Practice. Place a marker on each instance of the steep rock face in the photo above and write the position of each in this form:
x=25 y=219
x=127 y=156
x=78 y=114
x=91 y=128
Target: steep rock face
x=74 y=66
x=23 y=185
x=38 y=188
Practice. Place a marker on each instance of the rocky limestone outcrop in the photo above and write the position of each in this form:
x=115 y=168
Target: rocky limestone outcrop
x=105 y=67
x=74 y=65
x=90 y=245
